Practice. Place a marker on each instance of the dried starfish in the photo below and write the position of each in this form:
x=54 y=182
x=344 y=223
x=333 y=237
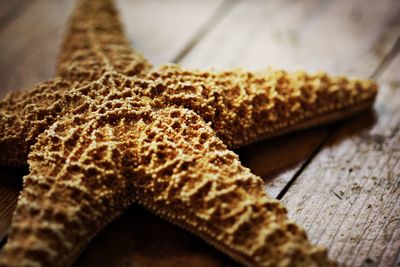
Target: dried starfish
x=110 y=132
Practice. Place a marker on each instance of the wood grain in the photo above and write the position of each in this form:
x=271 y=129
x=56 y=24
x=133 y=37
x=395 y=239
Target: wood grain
x=312 y=34
x=348 y=197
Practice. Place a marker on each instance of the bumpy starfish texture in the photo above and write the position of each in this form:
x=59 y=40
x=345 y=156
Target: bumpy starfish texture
x=242 y=106
x=245 y=107
x=108 y=134
x=95 y=43
x=26 y=114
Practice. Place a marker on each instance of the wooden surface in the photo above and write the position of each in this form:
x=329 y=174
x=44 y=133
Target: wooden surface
x=341 y=182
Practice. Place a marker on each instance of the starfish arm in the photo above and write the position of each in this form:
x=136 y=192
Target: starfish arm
x=186 y=175
x=74 y=188
x=26 y=114
x=95 y=43
x=76 y=183
x=245 y=107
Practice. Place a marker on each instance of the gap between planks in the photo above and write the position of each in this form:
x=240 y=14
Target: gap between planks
x=217 y=16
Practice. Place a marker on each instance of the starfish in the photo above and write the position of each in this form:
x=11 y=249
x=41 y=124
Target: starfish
x=110 y=131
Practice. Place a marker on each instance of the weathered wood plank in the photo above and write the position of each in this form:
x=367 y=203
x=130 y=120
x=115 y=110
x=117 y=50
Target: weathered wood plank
x=298 y=34
x=29 y=45
x=348 y=197
x=11 y=10
x=310 y=34
x=162 y=29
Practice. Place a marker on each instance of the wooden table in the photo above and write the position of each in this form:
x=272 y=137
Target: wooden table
x=341 y=182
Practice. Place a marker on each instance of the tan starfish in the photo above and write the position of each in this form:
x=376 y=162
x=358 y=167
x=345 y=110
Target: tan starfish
x=110 y=132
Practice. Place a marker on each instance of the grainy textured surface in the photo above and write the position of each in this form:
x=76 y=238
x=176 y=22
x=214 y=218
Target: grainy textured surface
x=244 y=107
x=95 y=43
x=382 y=28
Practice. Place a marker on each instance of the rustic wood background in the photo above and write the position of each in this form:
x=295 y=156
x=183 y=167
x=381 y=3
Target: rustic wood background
x=341 y=182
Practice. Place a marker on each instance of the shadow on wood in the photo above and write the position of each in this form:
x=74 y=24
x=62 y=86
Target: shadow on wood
x=10 y=185
x=139 y=238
